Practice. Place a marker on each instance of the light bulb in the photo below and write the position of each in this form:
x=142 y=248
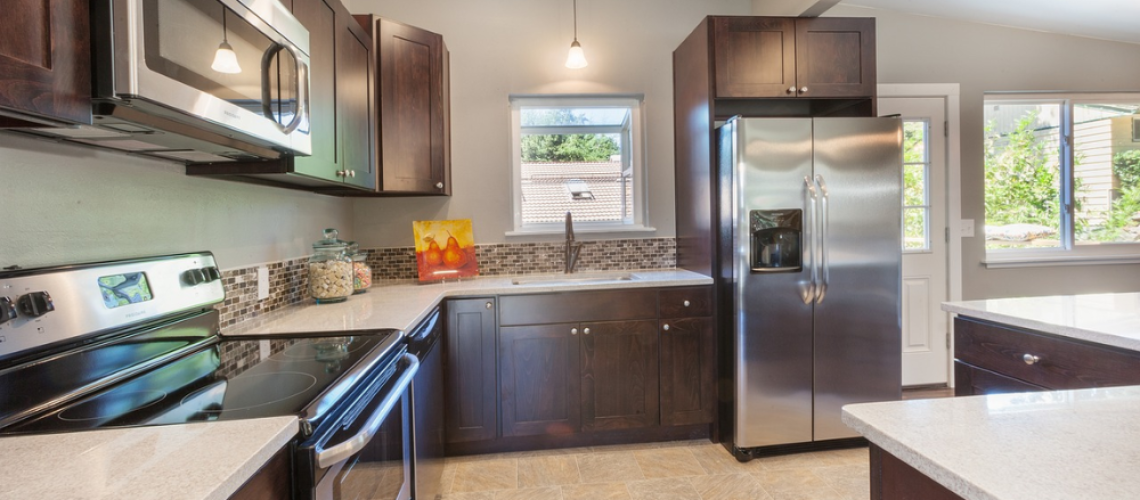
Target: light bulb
x=576 y=59
x=225 y=60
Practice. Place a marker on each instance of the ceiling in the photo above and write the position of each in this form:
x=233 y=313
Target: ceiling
x=1101 y=19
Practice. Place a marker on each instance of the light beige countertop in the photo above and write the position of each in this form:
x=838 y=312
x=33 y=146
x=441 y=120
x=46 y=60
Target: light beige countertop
x=402 y=306
x=180 y=462
x=1111 y=318
x=1080 y=444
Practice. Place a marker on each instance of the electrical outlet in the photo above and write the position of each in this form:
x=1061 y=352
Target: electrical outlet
x=966 y=228
x=262 y=283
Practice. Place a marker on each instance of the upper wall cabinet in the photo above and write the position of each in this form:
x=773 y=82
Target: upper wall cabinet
x=414 y=133
x=45 y=63
x=766 y=57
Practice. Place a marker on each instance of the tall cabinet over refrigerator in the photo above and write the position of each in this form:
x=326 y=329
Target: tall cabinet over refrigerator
x=810 y=225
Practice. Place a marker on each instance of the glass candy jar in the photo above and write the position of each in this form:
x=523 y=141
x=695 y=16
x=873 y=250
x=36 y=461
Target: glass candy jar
x=330 y=270
x=361 y=271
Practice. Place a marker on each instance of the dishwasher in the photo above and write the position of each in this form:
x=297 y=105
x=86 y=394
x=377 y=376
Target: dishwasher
x=427 y=408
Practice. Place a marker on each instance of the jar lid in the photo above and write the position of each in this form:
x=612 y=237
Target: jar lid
x=330 y=242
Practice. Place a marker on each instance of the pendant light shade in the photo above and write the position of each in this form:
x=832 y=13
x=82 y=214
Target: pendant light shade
x=576 y=58
x=225 y=60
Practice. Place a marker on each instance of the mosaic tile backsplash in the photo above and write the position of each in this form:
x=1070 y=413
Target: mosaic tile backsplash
x=288 y=280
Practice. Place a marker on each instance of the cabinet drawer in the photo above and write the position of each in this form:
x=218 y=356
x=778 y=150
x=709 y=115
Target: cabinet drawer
x=1061 y=364
x=606 y=305
x=973 y=381
x=685 y=302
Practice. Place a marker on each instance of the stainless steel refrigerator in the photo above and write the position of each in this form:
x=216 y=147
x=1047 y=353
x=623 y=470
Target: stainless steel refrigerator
x=813 y=206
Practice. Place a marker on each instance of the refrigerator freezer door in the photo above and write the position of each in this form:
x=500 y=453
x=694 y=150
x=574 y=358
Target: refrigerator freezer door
x=858 y=161
x=773 y=321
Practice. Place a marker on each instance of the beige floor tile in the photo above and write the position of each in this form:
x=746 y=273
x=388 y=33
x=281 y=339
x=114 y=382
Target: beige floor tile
x=729 y=487
x=839 y=472
x=800 y=460
x=783 y=481
x=624 y=447
x=852 y=456
x=677 y=488
x=550 y=470
x=668 y=462
x=612 y=467
x=601 y=491
x=481 y=495
x=852 y=489
x=486 y=475
x=448 y=476
x=717 y=460
x=548 y=493
x=808 y=495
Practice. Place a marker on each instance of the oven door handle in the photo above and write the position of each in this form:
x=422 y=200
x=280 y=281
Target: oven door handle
x=345 y=449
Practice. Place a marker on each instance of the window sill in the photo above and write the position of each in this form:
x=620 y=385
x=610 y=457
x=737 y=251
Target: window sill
x=582 y=229
x=1051 y=259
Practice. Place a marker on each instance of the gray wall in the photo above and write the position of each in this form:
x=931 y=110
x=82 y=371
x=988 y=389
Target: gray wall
x=917 y=49
x=508 y=47
x=64 y=203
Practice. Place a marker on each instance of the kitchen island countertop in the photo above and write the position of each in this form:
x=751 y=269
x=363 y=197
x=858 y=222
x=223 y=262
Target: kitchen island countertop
x=402 y=305
x=200 y=461
x=1111 y=319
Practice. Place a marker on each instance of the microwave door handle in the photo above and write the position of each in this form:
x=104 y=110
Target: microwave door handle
x=345 y=449
x=266 y=96
x=302 y=93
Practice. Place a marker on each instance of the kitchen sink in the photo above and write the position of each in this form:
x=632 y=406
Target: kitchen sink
x=575 y=279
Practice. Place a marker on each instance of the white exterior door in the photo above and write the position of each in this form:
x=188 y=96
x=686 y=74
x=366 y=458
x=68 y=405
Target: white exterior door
x=925 y=327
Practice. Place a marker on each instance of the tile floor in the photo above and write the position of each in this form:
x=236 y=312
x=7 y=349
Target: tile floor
x=686 y=470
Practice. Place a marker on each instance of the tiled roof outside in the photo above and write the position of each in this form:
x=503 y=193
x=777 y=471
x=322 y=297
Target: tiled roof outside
x=546 y=197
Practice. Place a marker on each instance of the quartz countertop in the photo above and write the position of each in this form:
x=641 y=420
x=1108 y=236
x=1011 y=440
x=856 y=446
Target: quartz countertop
x=1079 y=444
x=1111 y=319
x=403 y=305
x=197 y=461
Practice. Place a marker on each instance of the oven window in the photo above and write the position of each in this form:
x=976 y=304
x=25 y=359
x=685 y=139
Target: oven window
x=379 y=472
x=182 y=40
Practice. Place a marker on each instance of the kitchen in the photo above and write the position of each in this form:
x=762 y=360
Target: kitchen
x=107 y=206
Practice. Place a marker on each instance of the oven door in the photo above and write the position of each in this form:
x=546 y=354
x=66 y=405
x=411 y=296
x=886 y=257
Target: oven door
x=368 y=454
x=168 y=53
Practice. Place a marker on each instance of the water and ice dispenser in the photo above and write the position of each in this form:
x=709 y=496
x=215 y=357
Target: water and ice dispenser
x=775 y=240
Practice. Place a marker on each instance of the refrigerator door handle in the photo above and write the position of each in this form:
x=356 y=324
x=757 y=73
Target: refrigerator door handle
x=810 y=198
x=824 y=222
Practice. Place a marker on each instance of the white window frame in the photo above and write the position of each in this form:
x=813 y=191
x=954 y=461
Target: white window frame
x=1069 y=253
x=633 y=159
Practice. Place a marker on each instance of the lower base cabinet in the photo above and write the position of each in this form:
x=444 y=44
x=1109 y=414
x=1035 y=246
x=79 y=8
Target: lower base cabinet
x=273 y=481
x=538 y=380
x=893 y=479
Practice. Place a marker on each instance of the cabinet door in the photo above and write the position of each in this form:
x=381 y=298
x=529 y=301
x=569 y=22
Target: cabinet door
x=540 y=379
x=320 y=19
x=688 y=371
x=835 y=57
x=471 y=402
x=970 y=380
x=45 y=61
x=619 y=375
x=355 y=103
x=755 y=56
x=411 y=109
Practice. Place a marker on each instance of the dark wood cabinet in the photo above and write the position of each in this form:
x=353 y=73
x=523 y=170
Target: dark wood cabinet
x=688 y=371
x=619 y=371
x=273 y=481
x=342 y=111
x=471 y=370
x=413 y=96
x=993 y=358
x=45 y=63
x=540 y=382
x=893 y=479
x=772 y=57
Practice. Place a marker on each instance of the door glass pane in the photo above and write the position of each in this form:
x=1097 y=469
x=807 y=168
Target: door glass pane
x=1106 y=166
x=914 y=229
x=916 y=201
x=1023 y=175
x=914 y=185
x=914 y=141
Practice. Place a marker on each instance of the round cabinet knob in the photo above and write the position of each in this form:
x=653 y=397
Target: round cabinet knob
x=687 y=303
x=490 y=305
x=1030 y=359
x=341 y=173
x=586 y=331
x=791 y=90
x=803 y=90
x=35 y=304
x=665 y=327
x=352 y=173
x=573 y=331
x=439 y=185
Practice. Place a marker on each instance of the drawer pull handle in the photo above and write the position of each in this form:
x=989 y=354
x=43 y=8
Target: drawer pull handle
x=1030 y=359
x=573 y=331
x=686 y=303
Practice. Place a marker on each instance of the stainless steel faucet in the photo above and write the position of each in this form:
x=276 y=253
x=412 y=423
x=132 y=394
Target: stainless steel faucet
x=572 y=248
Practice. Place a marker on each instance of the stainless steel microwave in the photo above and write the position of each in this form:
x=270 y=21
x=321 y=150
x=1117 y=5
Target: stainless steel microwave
x=200 y=80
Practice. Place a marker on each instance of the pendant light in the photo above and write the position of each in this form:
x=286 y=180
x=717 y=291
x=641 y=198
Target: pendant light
x=225 y=60
x=576 y=59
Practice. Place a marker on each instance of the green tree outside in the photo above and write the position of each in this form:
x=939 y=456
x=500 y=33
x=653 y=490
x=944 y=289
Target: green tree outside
x=565 y=148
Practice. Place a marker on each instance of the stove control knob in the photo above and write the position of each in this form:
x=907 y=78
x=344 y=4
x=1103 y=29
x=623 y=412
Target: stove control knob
x=35 y=304
x=193 y=277
x=212 y=273
x=7 y=309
